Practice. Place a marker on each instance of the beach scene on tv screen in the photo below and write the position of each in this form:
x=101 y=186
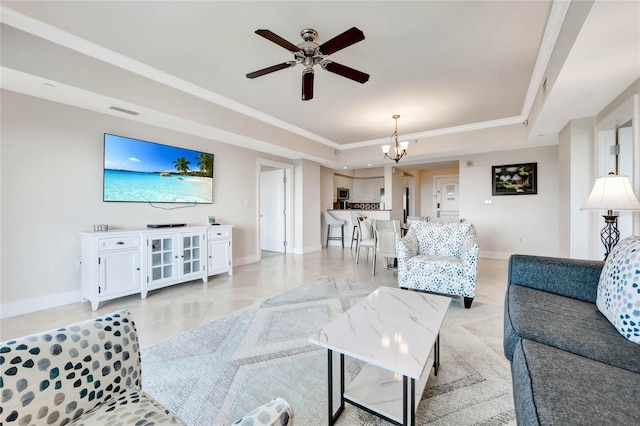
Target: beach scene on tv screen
x=142 y=171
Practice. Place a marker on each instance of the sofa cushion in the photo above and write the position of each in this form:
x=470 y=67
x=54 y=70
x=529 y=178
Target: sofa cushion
x=441 y=239
x=569 y=324
x=619 y=288
x=554 y=387
x=575 y=278
x=133 y=407
x=441 y=274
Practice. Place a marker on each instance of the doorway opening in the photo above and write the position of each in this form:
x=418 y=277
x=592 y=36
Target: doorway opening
x=274 y=207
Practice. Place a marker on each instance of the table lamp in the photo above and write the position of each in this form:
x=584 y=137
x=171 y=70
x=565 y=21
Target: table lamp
x=611 y=193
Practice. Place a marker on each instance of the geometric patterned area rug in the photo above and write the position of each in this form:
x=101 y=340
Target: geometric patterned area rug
x=217 y=372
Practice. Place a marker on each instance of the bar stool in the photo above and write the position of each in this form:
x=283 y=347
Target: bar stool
x=333 y=222
x=354 y=234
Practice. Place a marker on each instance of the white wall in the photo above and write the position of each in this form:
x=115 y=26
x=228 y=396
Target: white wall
x=575 y=154
x=51 y=177
x=426 y=188
x=524 y=224
x=369 y=172
x=307 y=198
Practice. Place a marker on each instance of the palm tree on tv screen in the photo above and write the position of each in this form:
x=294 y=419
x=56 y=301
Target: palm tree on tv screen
x=182 y=165
x=205 y=162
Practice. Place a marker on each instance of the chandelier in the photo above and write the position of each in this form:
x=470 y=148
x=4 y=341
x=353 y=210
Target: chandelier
x=399 y=149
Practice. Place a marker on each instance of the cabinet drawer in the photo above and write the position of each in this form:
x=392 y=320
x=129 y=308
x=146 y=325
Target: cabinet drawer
x=218 y=234
x=118 y=243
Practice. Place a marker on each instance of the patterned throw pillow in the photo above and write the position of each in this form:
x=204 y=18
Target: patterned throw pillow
x=619 y=288
x=276 y=412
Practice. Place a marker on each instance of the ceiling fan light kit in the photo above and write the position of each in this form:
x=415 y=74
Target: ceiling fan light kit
x=399 y=148
x=309 y=53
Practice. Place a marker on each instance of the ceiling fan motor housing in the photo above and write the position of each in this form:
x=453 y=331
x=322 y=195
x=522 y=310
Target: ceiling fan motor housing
x=309 y=34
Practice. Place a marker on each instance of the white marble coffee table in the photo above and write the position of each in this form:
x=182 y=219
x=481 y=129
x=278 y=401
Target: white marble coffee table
x=397 y=333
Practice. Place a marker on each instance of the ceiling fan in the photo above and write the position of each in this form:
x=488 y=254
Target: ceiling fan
x=310 y=53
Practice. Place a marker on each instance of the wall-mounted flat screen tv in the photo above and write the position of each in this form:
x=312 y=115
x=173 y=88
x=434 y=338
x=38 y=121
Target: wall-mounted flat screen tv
x=149 y=172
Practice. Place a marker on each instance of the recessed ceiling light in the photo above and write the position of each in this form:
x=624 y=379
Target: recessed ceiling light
x=345 y=167
x=369 y=165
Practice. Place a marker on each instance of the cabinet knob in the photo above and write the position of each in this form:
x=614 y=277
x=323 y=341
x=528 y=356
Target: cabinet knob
x=119 y=243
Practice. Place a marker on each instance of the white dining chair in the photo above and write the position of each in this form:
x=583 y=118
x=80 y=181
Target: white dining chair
x=366 y=237
x=354 y=233
x=387 y=232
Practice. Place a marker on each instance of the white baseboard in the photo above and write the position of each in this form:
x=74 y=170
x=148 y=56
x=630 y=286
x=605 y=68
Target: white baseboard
x=308 y=249
x=38 y=303
x=494 y=255
x=245 y=260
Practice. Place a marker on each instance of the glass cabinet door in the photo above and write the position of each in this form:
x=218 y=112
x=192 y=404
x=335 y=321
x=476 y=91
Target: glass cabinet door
x=191 y=260
x=162 y=258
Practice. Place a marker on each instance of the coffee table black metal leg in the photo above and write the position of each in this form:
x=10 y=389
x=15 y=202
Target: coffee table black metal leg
x=436 y=358
x=334 y=417
x=408 y=418
x=405 y=384
x=412 y=414
x=330 y=385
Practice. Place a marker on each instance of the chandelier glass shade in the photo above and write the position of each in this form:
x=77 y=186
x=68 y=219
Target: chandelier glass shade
x=399 y=149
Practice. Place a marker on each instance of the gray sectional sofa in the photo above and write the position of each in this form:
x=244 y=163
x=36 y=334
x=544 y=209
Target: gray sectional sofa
x=570 y=366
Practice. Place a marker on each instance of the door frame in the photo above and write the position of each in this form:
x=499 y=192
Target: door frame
x=288 y=174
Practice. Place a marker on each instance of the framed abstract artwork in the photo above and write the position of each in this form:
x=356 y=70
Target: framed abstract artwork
x=515 y=179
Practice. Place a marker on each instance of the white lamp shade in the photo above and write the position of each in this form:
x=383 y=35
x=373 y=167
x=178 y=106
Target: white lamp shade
x=404 y=146
x=385 y=149
x=612 y=192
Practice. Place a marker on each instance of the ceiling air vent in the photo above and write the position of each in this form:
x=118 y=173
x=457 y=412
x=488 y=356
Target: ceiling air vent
x=126 y=111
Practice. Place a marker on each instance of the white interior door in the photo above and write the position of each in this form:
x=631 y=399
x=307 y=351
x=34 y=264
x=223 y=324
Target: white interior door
x=446 y=196
x=272 y=210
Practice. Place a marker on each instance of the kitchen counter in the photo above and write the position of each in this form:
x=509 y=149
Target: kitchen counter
x=348 y=227
x=358 y=210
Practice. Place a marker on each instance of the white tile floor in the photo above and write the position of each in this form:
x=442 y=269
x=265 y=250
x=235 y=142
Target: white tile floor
x=178 y=308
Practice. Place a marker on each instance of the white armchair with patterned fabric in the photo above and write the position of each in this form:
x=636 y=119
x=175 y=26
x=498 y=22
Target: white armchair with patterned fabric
x=439 y=258
x=89 y=373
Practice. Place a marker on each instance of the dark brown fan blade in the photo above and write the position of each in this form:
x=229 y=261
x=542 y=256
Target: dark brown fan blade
x=339 y=42
x=307 y=85
x=271 y=69
x=271 y=36
x=345 y=71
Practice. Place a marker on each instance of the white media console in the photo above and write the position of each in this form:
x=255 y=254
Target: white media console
x=120 y=263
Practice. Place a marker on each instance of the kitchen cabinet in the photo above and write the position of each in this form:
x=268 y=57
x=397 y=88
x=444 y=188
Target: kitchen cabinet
x=367 y=190
x=372 y=189
x=340 y=181
x=359 y=190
